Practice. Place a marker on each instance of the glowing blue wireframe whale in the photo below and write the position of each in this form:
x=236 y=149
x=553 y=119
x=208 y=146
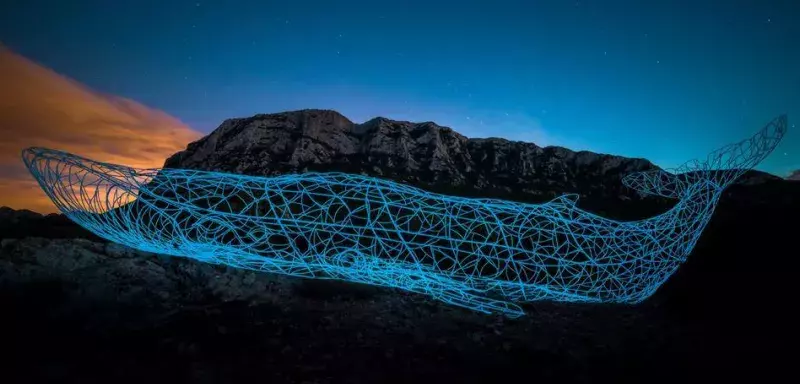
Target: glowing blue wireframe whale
x=484 y=254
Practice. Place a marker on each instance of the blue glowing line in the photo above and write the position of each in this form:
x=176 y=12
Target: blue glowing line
x=484 y=254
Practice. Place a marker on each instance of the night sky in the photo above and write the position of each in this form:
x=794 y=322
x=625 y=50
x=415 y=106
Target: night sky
x=668 y=80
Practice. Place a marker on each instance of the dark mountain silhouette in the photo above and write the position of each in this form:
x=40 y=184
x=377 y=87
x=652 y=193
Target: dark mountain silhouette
x=78 y=307
x=426 y=155
x=24 y=223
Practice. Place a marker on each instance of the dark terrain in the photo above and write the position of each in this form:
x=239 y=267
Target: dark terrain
x=77 y=308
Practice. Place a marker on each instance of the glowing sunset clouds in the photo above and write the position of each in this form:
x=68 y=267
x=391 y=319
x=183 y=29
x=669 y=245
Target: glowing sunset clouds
x=39 y=107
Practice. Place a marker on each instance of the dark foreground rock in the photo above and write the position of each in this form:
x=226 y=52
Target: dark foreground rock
x=83 y=311
x=24 y=223
x=105 y=311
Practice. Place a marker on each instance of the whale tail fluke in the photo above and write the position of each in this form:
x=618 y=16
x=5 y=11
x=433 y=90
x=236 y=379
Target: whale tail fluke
x=722 y=167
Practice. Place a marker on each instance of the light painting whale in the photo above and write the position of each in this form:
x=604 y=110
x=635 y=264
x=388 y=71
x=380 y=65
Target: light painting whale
x=488 y=255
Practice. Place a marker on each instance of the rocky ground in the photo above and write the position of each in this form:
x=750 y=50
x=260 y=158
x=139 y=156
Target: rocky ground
x=83 y=310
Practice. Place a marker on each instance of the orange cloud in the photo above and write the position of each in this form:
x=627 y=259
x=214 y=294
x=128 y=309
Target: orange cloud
x=39 y=107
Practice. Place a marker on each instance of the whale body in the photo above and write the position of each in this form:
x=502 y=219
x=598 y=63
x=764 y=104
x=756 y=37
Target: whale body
x=488 y=255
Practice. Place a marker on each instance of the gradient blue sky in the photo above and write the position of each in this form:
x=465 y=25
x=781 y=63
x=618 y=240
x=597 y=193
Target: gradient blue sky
x=667 y=80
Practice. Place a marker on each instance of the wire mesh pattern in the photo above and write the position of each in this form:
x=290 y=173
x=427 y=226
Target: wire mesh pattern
x=484 y=254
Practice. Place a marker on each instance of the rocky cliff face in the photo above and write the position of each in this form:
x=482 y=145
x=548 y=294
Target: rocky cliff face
x=424 y=154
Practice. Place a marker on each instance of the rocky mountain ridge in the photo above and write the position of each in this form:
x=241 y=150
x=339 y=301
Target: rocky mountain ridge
x=423 y=154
